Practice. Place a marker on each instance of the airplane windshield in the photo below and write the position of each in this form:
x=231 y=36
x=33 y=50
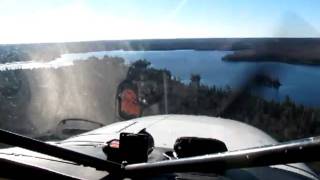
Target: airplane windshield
x=69 y=67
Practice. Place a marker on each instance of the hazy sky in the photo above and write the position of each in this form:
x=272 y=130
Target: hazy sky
x=80 y=20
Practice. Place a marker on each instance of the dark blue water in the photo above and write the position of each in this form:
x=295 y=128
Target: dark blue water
x=299 y=82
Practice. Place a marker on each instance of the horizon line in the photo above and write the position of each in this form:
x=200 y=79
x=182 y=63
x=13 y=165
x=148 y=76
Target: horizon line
x=155 y=39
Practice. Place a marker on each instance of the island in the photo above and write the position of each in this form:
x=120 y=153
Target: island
x=286 y=50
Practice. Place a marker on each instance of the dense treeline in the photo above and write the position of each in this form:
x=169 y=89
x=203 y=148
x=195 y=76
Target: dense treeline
x=283 y=120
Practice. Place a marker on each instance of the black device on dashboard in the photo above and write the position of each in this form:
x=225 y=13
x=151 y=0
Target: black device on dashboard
x=195 y=146
x=134 y=147
x=131 y=148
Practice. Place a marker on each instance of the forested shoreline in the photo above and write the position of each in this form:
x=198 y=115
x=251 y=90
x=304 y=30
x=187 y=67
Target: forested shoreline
x=282 y=120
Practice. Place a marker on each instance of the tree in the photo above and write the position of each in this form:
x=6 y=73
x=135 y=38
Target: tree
x=195 y=80
x=141 y=64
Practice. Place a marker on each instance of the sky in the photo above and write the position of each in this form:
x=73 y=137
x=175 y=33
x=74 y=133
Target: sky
x=36 y=21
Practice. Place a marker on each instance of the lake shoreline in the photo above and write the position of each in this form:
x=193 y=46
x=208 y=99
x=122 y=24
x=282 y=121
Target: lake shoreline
x=257 y=58
x=289 y=50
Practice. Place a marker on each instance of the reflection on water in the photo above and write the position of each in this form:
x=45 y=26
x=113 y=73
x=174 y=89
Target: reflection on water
x=64 y=60
x=34 y=65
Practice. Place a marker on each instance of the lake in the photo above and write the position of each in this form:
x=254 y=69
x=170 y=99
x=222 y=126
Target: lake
x=299 y=82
